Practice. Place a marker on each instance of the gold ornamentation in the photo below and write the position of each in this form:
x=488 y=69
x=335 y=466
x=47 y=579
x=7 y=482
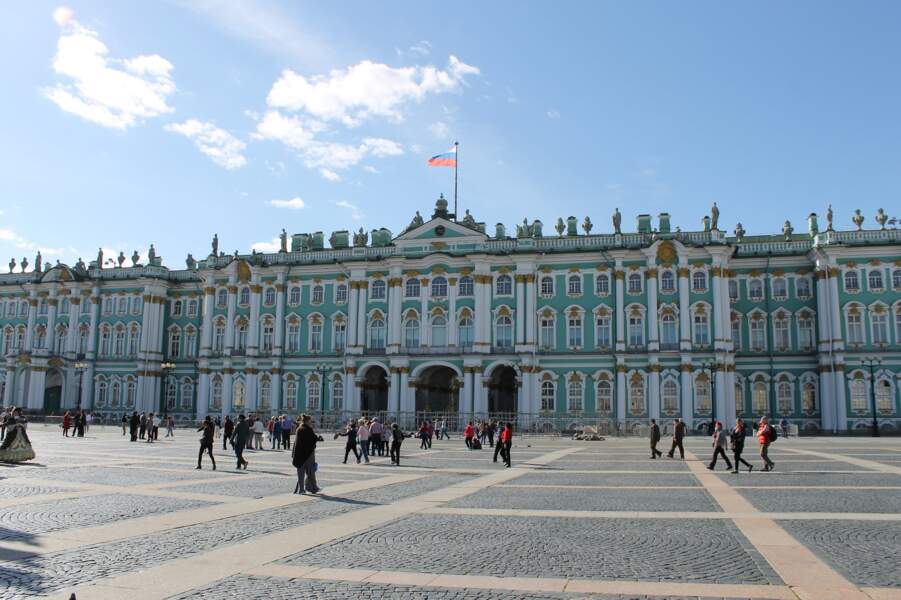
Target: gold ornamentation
x=666 y=252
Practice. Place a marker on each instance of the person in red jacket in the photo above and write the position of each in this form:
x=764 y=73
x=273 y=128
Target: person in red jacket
x=468 y=434
x=67 y=423
x=766 y=435
x=507 y=439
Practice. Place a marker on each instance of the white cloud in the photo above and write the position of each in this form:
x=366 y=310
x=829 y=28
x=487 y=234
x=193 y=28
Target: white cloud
x=330 y=175
x=269 y=247
x=355 y=213
x=290 y=131
x=439 y=129
x=382 y=147
x=111 y=92
x=364 y=90
x=421 y=48
x=222 y=147
x=20 y=242
x=294 y=203
x=371 y=169
x=553 y=113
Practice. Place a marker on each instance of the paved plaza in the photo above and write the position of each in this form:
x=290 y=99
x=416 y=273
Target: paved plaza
x=109 y=519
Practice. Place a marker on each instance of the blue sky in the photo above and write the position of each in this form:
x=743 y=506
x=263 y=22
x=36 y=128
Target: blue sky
x=127 y=123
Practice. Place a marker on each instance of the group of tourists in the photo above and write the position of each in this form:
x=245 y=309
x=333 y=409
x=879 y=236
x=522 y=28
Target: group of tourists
x=146 y=426
x=78 y=421
x=484 y=432
x=733 y=439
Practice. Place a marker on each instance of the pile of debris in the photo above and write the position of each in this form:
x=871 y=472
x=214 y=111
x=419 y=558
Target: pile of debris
x=588 y=434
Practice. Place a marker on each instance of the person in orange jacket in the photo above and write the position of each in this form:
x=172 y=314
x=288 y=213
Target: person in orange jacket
x=468 y=434
x=507 y=439
x=766 y=435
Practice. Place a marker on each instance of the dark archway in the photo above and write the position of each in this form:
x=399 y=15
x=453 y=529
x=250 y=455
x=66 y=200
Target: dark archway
x=53 y=391
x=437 y=390
x=374 y=393
x=502 y=391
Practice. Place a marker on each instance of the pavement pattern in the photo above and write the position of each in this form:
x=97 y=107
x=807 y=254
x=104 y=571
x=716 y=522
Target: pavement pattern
x=105 y=518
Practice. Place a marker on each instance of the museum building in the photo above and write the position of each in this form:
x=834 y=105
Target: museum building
x=552 y=328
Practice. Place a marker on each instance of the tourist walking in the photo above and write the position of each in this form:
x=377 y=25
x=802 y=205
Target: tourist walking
x=304 y=457
x=737 y=437
x=468 y=435
x=143 y=429
x=258 y=430
x=133 y=426
x=67 y=423
x=720 y=442
x=442 y=430
x=397 y=438
x=363 y=436
x=287 y=430
x=783 y=427
x=375 y=436
x=218 y=426
x=206 y=441
x=678 y=435
x=655 y=439
x=228 y=429
x=170 y=426
x=124 y=423
x=424 y=436
x=276 y=432
x=351 y=446
x=239 y=440
x=766 y=435
x=506 y=438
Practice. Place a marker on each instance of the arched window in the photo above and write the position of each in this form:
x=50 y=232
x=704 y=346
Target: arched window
x=315 y=335
x=439 y=287
x=192 y=308
x=187 y=394
x=101 y=395
x=219 y=335
x=574 y=394
x=115 y=394
x=411 y=333
x=40 y=337
x=547 y=286
x=317 y=294
x=377 y=333
x=171 y=395
x=574 y=285
x=758 y=334
x=668 y=332
x=896 y=280
x=137 y=305
x=546 y=331
x=760 y=398
x=465 y=326
x=294 y=295
x=105 y=340
x=852 y=284
x=636 y=330
x=238 y=390
x=667 y=282
x=699 y=281
x=859 y=394
x=174 y=342
x=755 y=289
x=265 y=393
x=874 y=280
x=269 y=296
x=131 y=390
x=739 y=398
x=59 y=340
x=701 y=327
x=83 y=333
x=733 y=290
x=503 y=286
x=702 y=394
x=503 y=332
x=411 y=290
x=341 y=293
x=670 y=397
x=879 y=323
x=809 y=397
x=636 y=395
x=293 y=337
x=635 y=283
x=8 y=338
x=574 y=330
x=602 y=284
x=547 y=396
x=854 y=325
x=216 y=393
x=176 y=308
x=42 y=307
x=602 y=328
x=884 y=396
x=267 y=334
x=604 y=393
x=337 y=394
x=241 y=337
x=439 y=331
x=802 y=288
x=780 y=289
x=784 y=397
x=123 y=305
x=222 y=298
x=119 y=341
x=339 y=339
x=805 y=331
x=780 y=332
x=290 y=393
x=244 y=296
x=377 y=290
x=314 y=393
x=464 y=286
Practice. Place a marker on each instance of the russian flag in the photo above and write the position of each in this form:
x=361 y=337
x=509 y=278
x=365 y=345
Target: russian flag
x=447 y=159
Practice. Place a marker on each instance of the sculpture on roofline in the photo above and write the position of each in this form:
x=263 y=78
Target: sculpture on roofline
x=617 y=221
x=12 y=264
x=857 y=219
x=787 y=230
x=283 y=241
x=361 y=238
x=215 y=251
x=416 y=222
x=587 y=225
x=714 y=217
x=829 y=218
x=190 y=262
x=37 y=262
x=80 y=267
x=135 y=259
x=468 y=219
x=151 y=255
x=121 y=258
x=881 y=218
x=100 y=258
x=24 y=264
x=560 y=227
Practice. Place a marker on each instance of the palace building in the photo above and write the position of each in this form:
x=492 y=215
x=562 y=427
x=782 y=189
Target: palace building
x=552 y=328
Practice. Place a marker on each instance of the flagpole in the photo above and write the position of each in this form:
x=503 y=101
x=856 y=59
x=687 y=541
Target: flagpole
x=456 y=163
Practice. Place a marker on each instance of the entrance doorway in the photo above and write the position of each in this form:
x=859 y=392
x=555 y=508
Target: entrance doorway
x=502 y=391
x=374 y=393
x=53 y=391
x=437 y=390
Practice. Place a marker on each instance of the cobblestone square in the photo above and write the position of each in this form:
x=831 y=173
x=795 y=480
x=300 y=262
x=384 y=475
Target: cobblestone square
x=569 y=520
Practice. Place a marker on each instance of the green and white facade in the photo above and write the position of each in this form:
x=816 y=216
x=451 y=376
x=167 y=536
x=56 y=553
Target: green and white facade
x=557 y=327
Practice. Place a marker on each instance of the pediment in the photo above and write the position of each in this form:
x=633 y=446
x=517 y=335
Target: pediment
x=440 y=229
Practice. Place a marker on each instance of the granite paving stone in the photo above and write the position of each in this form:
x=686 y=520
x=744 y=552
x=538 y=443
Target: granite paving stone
x=595 y=499
x=836 y=501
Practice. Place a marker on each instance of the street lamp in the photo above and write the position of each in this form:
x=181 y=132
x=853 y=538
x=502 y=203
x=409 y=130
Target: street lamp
x=322 y=369
x=873 y=361
x=710 y=365
x=81 y=367
x=165 y=369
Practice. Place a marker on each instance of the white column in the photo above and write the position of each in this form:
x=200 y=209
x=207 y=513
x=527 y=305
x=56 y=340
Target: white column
x=203 y=393
x=720 y=399
x=251 y=380
x=32 y=315
x=352 y=315
x=523 y=397
x=452 y=333
x=841 y=409
x=531 y=310
x=718 y=331
x=280 y=323
x=8 y=399
x=72 y=338
x=87 y=388
x=253 y=329
x=351 y=392
x=520 y=309
x=395 y=300
x=687 y=396
x=482 y=336
x=619 y=279
x=481 y=395
x=36 y=386
x=51 y=319
x=230 y=318
x=424 y=328
x=824 y=339
x=838 y=342
x=620 y=394
x=654 y=391
x=227 y=390
x=826 y=397
x=729 y=390
x=684 y=310
x=94 y=299
x=275 y=398
x=653 y=328
x=467 y=396
x=206 y=325
x=394 y=390
x=404 y=392
x=361 y=316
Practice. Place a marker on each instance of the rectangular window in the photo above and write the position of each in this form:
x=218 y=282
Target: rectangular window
x=293 y=337
x=736 y=334
x=316 y=337
x=805 y=333
x=855 y=329
x=574 y=332
x=758 y=337
x=880 y=328
x=636 y=331
x=701 y=330
x=340 y=336
x=602 y=332
x=547 y=332
x=781 y=334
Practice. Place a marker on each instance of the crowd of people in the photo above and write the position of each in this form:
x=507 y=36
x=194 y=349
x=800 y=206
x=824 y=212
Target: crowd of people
x=732 y=439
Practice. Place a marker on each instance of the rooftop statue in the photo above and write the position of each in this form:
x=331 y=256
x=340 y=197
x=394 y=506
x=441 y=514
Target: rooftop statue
x=12 y=264
x=617 y=221
x=829 y=218
x=361 y=238
x=468 y=220
x=560 y=226
x=37 y=262
x=714 y=217
x=858 y=219
x=881 y=218
x=100 y=258
x=190 y=262
x=24 y=264
x=739 y=232
x=215 y=251
x=80 y=267
x=283 y=240
x=787 y=230
x=121 y=259
x=587 y=225
x=416 y=222
x=135 y=259
x=151 y=255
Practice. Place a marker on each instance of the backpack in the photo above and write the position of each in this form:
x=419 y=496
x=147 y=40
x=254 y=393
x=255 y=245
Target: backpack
x=771 y=435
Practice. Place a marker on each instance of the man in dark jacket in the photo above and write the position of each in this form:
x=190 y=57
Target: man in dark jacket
x=397 y=438
x=351 y=445
x=239 y=440
x=678 y=434
x=655 y=438
x=133 y=426
x=206 y=441
x=304 y=456
x=229 y=429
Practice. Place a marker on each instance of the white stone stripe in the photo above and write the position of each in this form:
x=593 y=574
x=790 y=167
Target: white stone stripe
x=860 y=462
x=628 y=514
